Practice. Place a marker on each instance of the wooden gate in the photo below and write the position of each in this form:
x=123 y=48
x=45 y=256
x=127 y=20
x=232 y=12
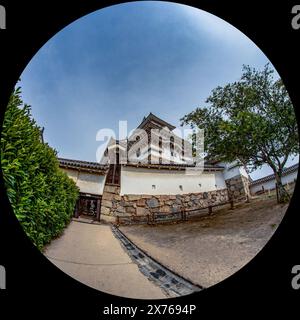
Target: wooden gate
x=88 y=206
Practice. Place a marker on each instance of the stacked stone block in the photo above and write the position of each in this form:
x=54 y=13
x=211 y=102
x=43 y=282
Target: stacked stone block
x=141 y=205
x=238 y=187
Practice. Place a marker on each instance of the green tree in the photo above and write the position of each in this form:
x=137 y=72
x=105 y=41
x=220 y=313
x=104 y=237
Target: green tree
x=251 y=120
x=41 y=195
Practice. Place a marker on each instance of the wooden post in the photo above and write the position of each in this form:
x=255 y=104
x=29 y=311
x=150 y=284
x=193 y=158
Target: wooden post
x=231 y=204
x=98 y=210
x=183 y=214
x=153 y=218
x=76 y=209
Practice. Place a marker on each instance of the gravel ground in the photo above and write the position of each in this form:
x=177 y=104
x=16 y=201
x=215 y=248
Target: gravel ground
x=211 y=249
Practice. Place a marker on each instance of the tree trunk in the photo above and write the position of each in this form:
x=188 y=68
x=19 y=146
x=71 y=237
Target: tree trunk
x=283 y=195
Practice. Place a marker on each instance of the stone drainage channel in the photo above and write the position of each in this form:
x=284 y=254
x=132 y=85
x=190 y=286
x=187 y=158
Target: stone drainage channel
x=172 y=284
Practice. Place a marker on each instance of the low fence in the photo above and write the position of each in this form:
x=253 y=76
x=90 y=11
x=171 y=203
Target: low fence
x=184 y=214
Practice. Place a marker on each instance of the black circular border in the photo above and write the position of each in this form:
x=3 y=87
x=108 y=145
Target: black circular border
x=29 y=26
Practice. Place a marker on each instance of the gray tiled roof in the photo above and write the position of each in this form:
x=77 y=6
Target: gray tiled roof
x=173 y=166
x=79 y=164
x=285 y=172
x=153 y=117
x=97 y=167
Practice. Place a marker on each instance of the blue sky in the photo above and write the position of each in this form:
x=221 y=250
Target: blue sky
x=124 y=61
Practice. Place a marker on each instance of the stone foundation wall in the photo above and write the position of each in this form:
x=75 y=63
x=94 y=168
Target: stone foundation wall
x=140 y=205
x=238 y=186
x=110 y=198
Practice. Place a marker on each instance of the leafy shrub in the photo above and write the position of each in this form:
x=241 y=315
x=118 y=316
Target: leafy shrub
x=42 y=196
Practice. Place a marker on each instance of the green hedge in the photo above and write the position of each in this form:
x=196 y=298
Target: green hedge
x=41 y=195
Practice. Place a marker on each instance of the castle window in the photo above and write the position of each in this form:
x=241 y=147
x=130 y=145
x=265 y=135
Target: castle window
x=160 y=142
x=172 y=144
x=180 y=187
x=138 y=152
x=153 y=186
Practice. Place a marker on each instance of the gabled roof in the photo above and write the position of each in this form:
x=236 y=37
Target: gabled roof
x=153 y=118
x=83 y=165
x=285 y=172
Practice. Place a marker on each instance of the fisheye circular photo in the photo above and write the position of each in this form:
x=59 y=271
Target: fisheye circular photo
x=150 y=150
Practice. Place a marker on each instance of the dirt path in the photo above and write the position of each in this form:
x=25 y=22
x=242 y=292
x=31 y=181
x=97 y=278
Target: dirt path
x=208 y=251
x=92 y=255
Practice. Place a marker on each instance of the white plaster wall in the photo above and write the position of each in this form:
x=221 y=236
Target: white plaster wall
x=231 y=171
x=290 y=177
x=220 y=181
x=166 y=155
x=143 y=158
x=73 y=174
x=87 y=182
x=155 y=155
x=140 y=181
x=271 y=183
